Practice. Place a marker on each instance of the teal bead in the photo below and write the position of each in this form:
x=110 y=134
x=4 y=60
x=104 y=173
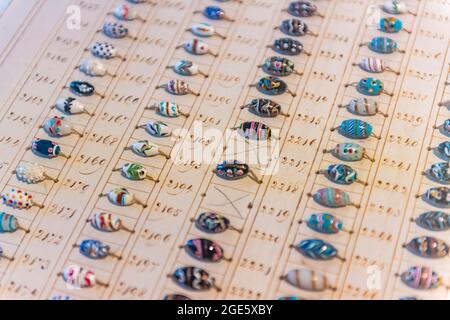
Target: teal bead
x=325 y=223
x=383 y=45
x=370 y=87
x=440 y=172
x=390 y=25
x=355 y=129
x=341 y=174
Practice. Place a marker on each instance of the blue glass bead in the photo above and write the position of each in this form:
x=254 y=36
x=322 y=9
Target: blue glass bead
x=45 y=148
x=370 y=86
x=212 y=222
x=82 y=88
x=439 y=197
x=444 y=149
x=317 y=249
x=355 y=129
x=440 y=172
x=349 y=152
x=8 y=223
x=434 y=221
x=94 y=249
x=383 y=45
x=288 y=46
x=341 y=174
x=332 y=198
x=428 y=247
x=325 y=223
x=214 y=13
x=390 y=25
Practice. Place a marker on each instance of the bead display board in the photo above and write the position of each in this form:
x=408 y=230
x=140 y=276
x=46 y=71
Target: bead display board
x=43 y=41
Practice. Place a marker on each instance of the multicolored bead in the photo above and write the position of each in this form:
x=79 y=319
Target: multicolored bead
x=272 y=86
x=187 y=68
x=18 y=199
x=235 y=170
x=82 y=88
x=439 y=197
x=355 y=129
x=107 y=222
x=288 y=46
x=9 y=223
x=444 y=149
x=125 y=12
x=95 y=249
x=307 y=280
x=302 y=9
x=253 y=130
x=394 y=7
x=349 y=152
x=104 y=50
x=420 y=277
x=32 y=173
x=440 y=172
x=333 y=198
x=134 y=171
x=204 y=250
x=363 y=107
x=341 y=174
x=213 y=223
x=177 y=87
x=375 y=65
x=325 y=223
x=197 y=47
x=264 y=108
x=193 y=278
x=204 y=30
x=434 y=221
x=93 y=68
x=122 y=197
x=383 y=45
x=390 y=25
x=279 y=66
x=175 y=297
x=168 y=109
x=158 y=129
x=71 y=106
x=115 y=30
x=59 y=127
x=428 y=247
x=145 y=148
x=294 y=27
x=370 y=87
x=45 y=148
x=316 y=249
x=79 y=277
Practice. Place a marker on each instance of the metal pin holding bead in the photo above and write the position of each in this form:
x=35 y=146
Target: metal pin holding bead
x=177 y=87
x=204 y=30
x=168 y=109
x=145 y=148
x=187 y=68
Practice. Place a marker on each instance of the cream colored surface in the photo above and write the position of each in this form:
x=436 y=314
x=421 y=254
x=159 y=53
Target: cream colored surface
x=38 y=56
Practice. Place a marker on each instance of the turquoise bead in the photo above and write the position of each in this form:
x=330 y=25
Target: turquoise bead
x=444 y=149
x=317 y=249
x=325 y=223
x=355 y=129
x=383 y=45
x=390 y=25
x=370 y=87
